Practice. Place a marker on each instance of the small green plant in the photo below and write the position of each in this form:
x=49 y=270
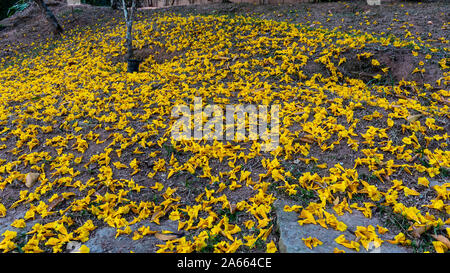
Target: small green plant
x=392 y=219
x=260 y=244
x=233 y=217
x=422 y=245
x=305 y=196
x=169 y=149
x=210 y=243
x=22 y=239
x=444 y=172
x=18 y=7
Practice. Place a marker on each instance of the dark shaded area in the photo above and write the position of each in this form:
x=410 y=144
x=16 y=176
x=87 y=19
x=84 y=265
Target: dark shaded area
x=97 y=2
x=4 y=6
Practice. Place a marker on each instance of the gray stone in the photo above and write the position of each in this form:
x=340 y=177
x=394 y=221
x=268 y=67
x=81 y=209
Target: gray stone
x=73 y=2
x=11 y=215
x=103 y=240
x=437 y=183
x=291 y=233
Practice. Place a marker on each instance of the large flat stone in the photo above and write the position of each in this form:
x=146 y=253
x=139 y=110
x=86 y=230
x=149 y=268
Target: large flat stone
x=291 y=233
x=103 y=240
x=11 y=216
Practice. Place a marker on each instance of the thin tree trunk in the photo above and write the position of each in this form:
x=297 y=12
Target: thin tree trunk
x=129 y=22
x=114 y=4
x=57 y=29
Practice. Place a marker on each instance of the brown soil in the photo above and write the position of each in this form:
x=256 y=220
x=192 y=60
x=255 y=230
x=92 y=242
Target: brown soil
x=26 y=29
x=29 y=28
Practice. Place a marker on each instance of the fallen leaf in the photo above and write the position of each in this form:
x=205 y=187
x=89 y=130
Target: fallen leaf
x=413 y=118
x=232 y=208
x=55 y=202
x=413 y=158
x=401 y=96
x=336 y=201
x=165 y=237
x=418 y=231
x=221 y=58
x=156 y=215
x=307 y=139
x=445 y=101
x=442 y=239
x=100 y=190
x=31 y=179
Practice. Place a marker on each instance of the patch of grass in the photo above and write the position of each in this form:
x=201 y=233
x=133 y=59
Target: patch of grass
x=305 y=196
x=394 y=220
x=369 y=178
x=399 y=223
x=422 y=245
x=358 y=197
x=260 y=244
x=233 y=217
x=169 y=149
x=210 y=243
x=21 y=240
x=444 y=172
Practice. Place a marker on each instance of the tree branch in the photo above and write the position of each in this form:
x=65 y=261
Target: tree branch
x=57 y=29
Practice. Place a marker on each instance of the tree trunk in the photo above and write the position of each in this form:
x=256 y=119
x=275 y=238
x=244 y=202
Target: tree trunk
x=57 y=29
x=129 y=16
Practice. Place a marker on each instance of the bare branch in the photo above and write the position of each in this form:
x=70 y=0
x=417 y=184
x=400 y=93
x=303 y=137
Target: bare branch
x=57 y=29
x=125 y=10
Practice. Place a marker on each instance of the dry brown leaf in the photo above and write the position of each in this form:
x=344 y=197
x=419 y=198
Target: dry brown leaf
x=167 y=209
x=418 y=231
x=336 y=201
x=401 y=96
x=442 y=239
x=157 y=214
x=413 y=158
x=413 y=118
x=307 y=139
x=232 y=208
x=100 y=190
x=55 y=202
x=165 y=237
x=445 y=101
x=221 y=58
x=299 y=113
x=31 y=179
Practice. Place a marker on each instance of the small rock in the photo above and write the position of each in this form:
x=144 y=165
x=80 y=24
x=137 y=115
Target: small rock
x=73 y=246
x=31 y=179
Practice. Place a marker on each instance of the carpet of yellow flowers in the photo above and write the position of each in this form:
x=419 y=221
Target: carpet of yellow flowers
x=99 y=137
